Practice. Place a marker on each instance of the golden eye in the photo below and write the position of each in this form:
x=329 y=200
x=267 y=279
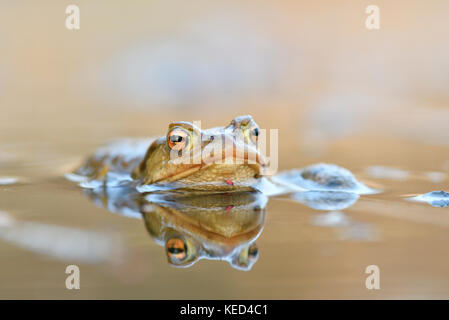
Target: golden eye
x=178 y=139
x=254 y=132
x=176 y=249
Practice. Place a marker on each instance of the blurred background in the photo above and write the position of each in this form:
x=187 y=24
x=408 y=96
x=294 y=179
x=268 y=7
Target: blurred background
x=312 y=70
x=336 y=91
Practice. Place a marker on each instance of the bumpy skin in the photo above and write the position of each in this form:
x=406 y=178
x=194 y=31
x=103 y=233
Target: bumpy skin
x=120 y=157
x=220 y=159
x=188 y=159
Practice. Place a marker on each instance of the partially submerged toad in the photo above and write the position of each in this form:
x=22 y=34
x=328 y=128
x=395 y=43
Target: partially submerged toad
x=222 y=159
x=202 y=193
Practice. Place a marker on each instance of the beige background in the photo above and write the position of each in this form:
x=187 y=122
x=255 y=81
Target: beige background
x=336 y=91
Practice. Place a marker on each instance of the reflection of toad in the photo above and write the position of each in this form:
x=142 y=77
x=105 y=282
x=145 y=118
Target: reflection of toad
x=217 y=226
x=214 y=227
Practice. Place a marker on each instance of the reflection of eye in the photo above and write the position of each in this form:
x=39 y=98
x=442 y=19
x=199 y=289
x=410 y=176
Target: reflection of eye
x=253 y=252
x=254 y=132
x=178 y=139
x=181 y=252
x=246 y=258
x=176 y=249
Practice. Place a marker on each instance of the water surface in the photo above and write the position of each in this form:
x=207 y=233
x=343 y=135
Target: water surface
x=308 y=248
x=374 y=102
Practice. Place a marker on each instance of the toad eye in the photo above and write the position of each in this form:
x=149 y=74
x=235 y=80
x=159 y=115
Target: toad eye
x=254 y=132
x=178 y=139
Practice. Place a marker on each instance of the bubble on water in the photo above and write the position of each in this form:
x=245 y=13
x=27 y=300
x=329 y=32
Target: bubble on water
x=323 y=177
x=439 y=199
